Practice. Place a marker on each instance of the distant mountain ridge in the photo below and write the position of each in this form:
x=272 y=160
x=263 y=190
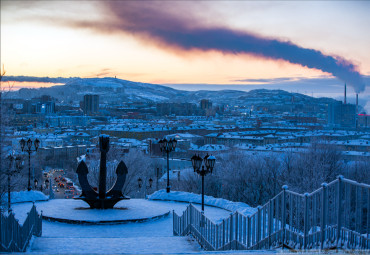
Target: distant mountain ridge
x=116 y=91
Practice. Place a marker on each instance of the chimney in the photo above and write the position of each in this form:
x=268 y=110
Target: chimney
x=356 y=103
x=345 y=93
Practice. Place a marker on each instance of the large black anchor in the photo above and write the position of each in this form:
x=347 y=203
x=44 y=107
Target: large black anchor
x=102 y=199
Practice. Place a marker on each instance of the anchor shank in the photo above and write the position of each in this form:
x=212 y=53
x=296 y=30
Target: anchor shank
x=104 y=147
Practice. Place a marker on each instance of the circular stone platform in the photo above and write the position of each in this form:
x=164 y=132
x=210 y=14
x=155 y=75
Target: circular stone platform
x=79 y=212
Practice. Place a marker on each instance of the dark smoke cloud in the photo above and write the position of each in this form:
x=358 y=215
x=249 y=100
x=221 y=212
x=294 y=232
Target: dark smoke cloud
x=168 y=25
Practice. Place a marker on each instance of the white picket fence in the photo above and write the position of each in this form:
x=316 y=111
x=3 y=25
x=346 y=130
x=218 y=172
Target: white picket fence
x=15 y=237
x=337 y=215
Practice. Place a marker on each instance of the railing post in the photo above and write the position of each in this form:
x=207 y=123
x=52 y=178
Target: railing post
x=190 y=216
x=258 y=225
x=217 y=241
x=1 y=228
x=269 y=220
x=173 y=222
x=236 y=230
x=339 y=208
x=323 y=214
x=305 y=232
x=249 y=234
x=231 y=231
x=285 y=188
x=223 y=234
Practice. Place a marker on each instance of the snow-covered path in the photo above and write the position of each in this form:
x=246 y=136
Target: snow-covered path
x=148 y=237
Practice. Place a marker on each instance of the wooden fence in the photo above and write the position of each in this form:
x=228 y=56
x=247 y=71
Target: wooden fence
x=15 y=237
x=337 y=215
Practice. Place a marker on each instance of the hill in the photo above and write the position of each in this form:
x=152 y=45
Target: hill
x=114 y=90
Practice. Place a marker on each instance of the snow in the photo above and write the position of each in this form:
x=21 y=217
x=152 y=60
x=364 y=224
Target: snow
x=211 y=147
x=26 y=196
x=208 y=200
x=116 y=245
x=153 y=236
x=149 y=237
x=79 y=210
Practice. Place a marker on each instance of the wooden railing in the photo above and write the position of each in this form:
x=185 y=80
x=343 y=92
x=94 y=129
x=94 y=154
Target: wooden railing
x=337 y=215
x=15 y=237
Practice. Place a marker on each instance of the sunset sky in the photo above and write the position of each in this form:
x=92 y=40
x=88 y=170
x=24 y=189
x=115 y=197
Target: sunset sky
x=187 y=42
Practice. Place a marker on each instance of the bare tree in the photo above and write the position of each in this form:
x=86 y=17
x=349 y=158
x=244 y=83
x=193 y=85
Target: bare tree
x=321 y=162
x=139 y=165
x=358 y=171
x=254 y=178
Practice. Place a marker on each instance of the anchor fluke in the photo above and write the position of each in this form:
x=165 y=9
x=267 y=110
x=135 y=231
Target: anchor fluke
x=121 y=168
x=116 y=190
x=102 y=199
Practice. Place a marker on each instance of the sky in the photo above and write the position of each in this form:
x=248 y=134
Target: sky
x=190 y=42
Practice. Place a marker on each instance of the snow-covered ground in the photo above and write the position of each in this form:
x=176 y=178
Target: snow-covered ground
x=26 y=196
x=208 y=200
x=78 y=210
x=149 y=237
x=153 y=236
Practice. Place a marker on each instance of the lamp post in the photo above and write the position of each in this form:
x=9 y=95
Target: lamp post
x=140 y=184
x=47 y=183
x=11 y=171
x=209 y=163
x=29 y=149
x=167 y=146
x=36 y=182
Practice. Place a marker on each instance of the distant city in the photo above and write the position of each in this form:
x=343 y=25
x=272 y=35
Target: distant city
x=68 y=119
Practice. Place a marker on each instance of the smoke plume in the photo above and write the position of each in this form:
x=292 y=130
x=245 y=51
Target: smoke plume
x=161 y=23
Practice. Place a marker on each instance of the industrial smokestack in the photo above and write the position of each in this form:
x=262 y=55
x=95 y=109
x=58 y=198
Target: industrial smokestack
x=345 y=93
x=356 y=110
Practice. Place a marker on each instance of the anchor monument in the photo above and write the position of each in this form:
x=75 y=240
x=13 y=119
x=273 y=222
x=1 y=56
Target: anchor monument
x=102 y=199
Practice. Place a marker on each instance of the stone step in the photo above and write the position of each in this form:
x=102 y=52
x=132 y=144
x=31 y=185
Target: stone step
x=149 y=245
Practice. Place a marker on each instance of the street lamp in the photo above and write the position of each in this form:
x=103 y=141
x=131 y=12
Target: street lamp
x=29 y=149
x=167 y=146
x=11 y=171
x=209 y=163
x=47 y=183
x=36 y=182
x=140 y=184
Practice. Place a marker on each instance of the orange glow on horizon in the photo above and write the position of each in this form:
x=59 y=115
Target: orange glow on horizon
x=16 y=85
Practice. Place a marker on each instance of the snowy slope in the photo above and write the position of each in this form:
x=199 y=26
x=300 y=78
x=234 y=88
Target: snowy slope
x=208 y=200
x=25 y=196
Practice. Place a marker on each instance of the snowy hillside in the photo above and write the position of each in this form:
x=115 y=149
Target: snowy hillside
x=114 y=90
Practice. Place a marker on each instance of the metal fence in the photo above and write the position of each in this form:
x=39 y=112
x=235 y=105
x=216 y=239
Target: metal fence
x=337 y=215
x=15 y=237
